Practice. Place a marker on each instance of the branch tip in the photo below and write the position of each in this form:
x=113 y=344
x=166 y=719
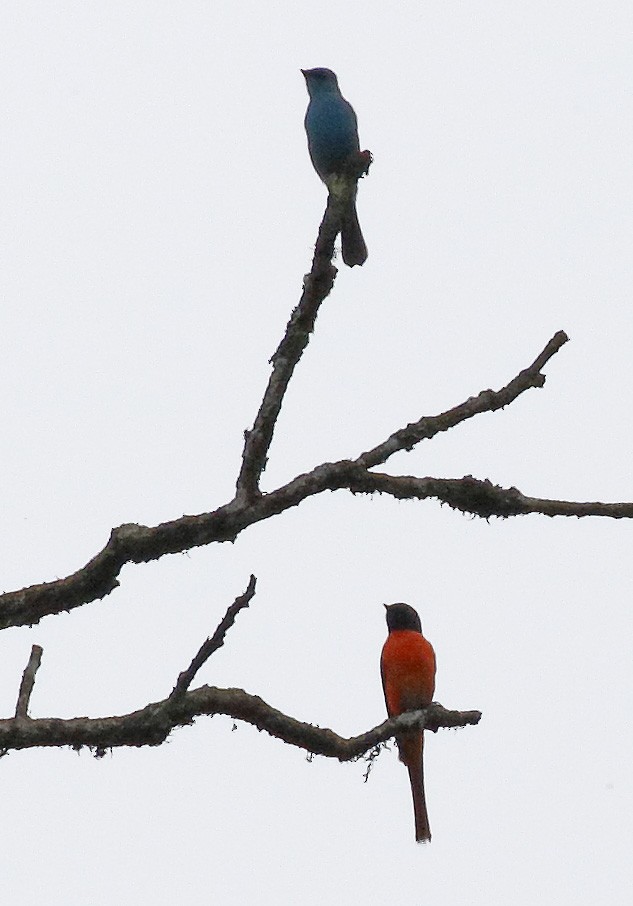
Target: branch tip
x=212 y=644
x=28 y=681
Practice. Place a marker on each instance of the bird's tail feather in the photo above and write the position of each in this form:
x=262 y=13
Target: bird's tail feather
x=412 y=753
x=352 y=242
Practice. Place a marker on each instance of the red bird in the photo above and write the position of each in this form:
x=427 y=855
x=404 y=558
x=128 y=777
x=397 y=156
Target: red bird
x=407 y=667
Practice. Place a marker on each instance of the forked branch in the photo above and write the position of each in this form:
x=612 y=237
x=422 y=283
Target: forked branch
x=132 y=543
x=151 y=725
x=139 y=544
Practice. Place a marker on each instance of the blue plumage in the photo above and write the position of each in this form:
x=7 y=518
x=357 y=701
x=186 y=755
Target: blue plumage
x=332 y=132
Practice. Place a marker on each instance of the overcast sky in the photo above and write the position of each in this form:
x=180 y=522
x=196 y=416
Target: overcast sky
x=158 y=214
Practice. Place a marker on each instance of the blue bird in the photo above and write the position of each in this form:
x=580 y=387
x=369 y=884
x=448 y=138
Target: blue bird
x=332 y=132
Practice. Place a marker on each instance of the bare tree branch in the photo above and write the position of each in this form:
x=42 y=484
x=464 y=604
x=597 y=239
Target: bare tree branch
x=131 y=543
x=486 y=401
x=481 y=498
x=153 y=724
x=28 y=681
x=137 y=544
x=216 y=641
x=316 y=287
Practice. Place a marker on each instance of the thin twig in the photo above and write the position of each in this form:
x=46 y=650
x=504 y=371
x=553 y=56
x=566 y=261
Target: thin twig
x=486 y=401
x=28 y=681
x=316 y=287
x=477 y=497
x=212 y=644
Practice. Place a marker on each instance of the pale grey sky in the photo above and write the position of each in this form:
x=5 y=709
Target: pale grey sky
x=158 y=214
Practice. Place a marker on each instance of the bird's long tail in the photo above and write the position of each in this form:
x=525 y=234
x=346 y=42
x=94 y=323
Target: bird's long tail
x=352 y=242
x=412 y=753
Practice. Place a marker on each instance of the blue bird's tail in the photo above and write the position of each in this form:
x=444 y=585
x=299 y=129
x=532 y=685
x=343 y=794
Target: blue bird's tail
x=352 y=242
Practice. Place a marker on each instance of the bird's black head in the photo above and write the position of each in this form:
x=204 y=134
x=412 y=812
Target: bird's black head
x=402 y=616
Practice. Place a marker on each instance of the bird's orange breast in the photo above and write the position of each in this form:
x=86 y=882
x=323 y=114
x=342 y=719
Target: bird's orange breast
x=407 y=666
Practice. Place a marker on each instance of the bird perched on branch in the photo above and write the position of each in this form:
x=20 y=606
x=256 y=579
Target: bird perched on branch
x=407 y=667
x=334 y=148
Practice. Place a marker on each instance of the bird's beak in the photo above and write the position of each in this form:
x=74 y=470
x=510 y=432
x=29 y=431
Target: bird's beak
x=304 y=72
x=386 y=606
